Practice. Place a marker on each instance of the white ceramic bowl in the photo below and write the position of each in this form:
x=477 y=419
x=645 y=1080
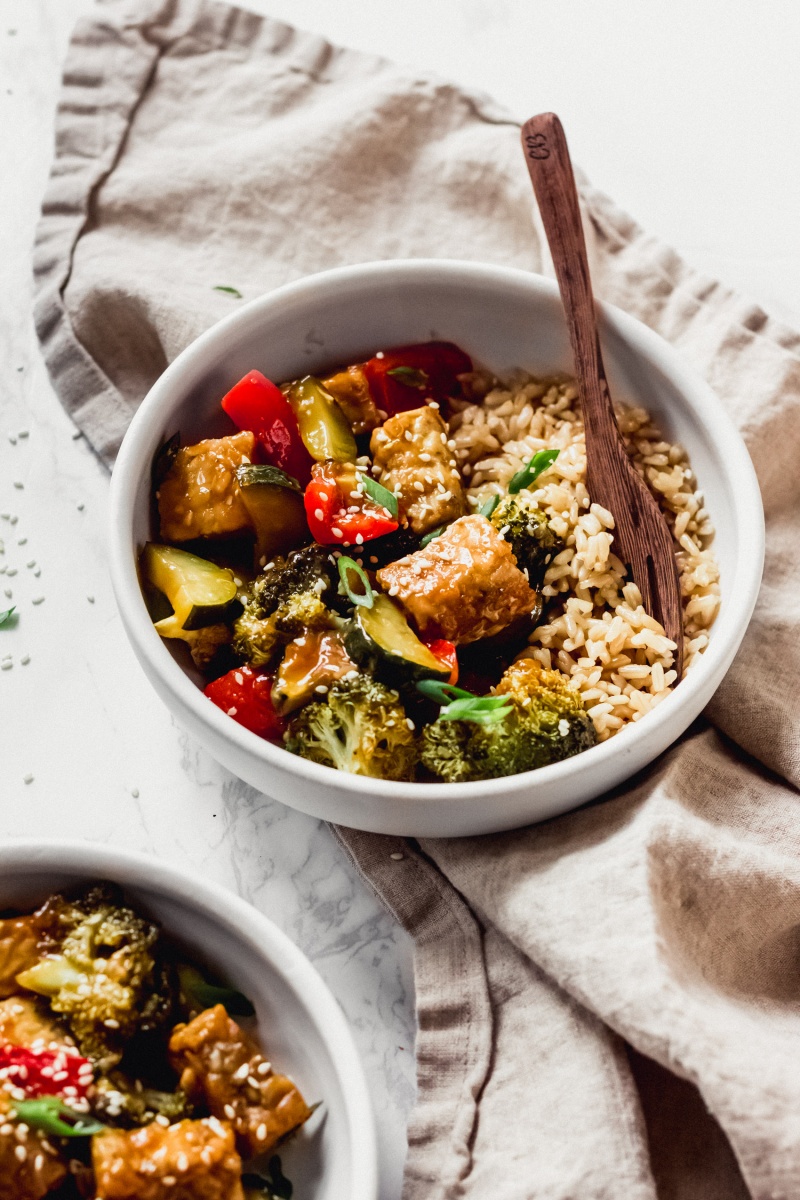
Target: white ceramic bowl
x=504 y=318
x=298 y=1019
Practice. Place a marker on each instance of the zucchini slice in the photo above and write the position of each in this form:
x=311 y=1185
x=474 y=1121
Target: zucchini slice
x=382 y=641
x=324 y=428
x=274 y=502
x=200 y=592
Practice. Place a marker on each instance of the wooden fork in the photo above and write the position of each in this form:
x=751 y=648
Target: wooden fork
x=641 y=535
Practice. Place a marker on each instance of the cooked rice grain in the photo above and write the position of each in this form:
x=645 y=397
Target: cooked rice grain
x=597 y=631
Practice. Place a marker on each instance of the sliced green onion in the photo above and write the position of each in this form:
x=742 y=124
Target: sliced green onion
x=434 y=533
x=541 y=460
x=6 y=616
x=230 y=291
x=51 y=1115
x=410 y=376
x=488 y=506
x=367 y=598
x=459 y=705
x=381 y=495
x=202 y=994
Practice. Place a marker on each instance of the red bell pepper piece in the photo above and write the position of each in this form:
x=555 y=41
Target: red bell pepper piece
x=446 y=653
x=45 y=1072
x=246 y=695
x=409 y=376
x=256 y=404
x=338 y=513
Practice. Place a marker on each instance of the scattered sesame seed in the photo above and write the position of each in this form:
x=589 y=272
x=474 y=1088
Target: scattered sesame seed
x=13 y=520
x=37 y=572
x=30 y=563
x=110 y=1023
x=135 y=793
x=26 y=658
x=321 y=688
x=90 y=599
x=80 y=507
x=397 y=856
x=6 y=666
x=359 y=539
x=27 y=778
x=232 y=711
x=318 y=513
x=12 y=439
x=261 y=1132
x=19 y=484
x=336 y=531
x=11 y=571
x=76 y=434
x=23 y=433
x=410 y=723
x=37 y=600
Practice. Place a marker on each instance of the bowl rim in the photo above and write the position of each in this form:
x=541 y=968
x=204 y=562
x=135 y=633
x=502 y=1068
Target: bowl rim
x=729 y=625
x=132 y=869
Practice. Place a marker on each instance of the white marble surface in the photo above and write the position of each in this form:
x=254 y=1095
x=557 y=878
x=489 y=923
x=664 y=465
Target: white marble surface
x=686 y=111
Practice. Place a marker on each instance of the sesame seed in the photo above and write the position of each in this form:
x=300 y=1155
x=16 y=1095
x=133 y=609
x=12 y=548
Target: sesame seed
x=12 y=439
x=261 y=1132
x=11 y=571
x=230 y=1111
x=336 y=531
x=37 y=600
x=37 y=572
x=89 y=598
x=76 y=434
x=318 y=513
x=8 y=592
x=20 y=1153
x=110 y=1023
x=379 y=354
x=321 y=688
x=264 y=1068
x=19 y=484
x=13 y=520
x=80 y=507
x=26 y=658
x=31 y=563
x=135 y=793
x=23 y=433
x=22 y=541
x=27 y=778
x=397 y=856
x=232 y=711
x=239 y=677
x=410 y=723
x=6 y=665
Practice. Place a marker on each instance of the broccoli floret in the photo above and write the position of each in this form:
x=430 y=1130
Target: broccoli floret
x=258 y=639
x=117 y=1100
x=103 y=972
x=526 y=528
x=546 y=723
x=306 y=570
x=361 y=727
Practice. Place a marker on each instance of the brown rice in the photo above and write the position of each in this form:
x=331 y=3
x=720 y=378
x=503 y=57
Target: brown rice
x=596 y=630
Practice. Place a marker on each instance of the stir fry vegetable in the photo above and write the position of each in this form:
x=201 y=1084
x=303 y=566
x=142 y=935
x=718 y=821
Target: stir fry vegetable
x=173 y=1097
x=373 y=587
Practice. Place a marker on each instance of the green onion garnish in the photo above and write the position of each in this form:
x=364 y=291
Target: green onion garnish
x=51 y=1115
x=202 y=994
x=381 y=495
x=541 y=460
x=365 y=598
x=434 y=533
x=229 y=291
x=410 y=376
x=459 y=705
x=488 y=506
x=6 y=616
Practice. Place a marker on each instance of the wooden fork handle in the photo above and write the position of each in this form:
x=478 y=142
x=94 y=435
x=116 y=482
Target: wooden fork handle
x=553 y=182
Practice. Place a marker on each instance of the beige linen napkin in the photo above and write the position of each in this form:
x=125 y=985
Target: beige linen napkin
x=600 y=997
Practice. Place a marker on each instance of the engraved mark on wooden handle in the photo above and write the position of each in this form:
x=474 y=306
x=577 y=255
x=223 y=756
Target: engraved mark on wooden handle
x=537 y=145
